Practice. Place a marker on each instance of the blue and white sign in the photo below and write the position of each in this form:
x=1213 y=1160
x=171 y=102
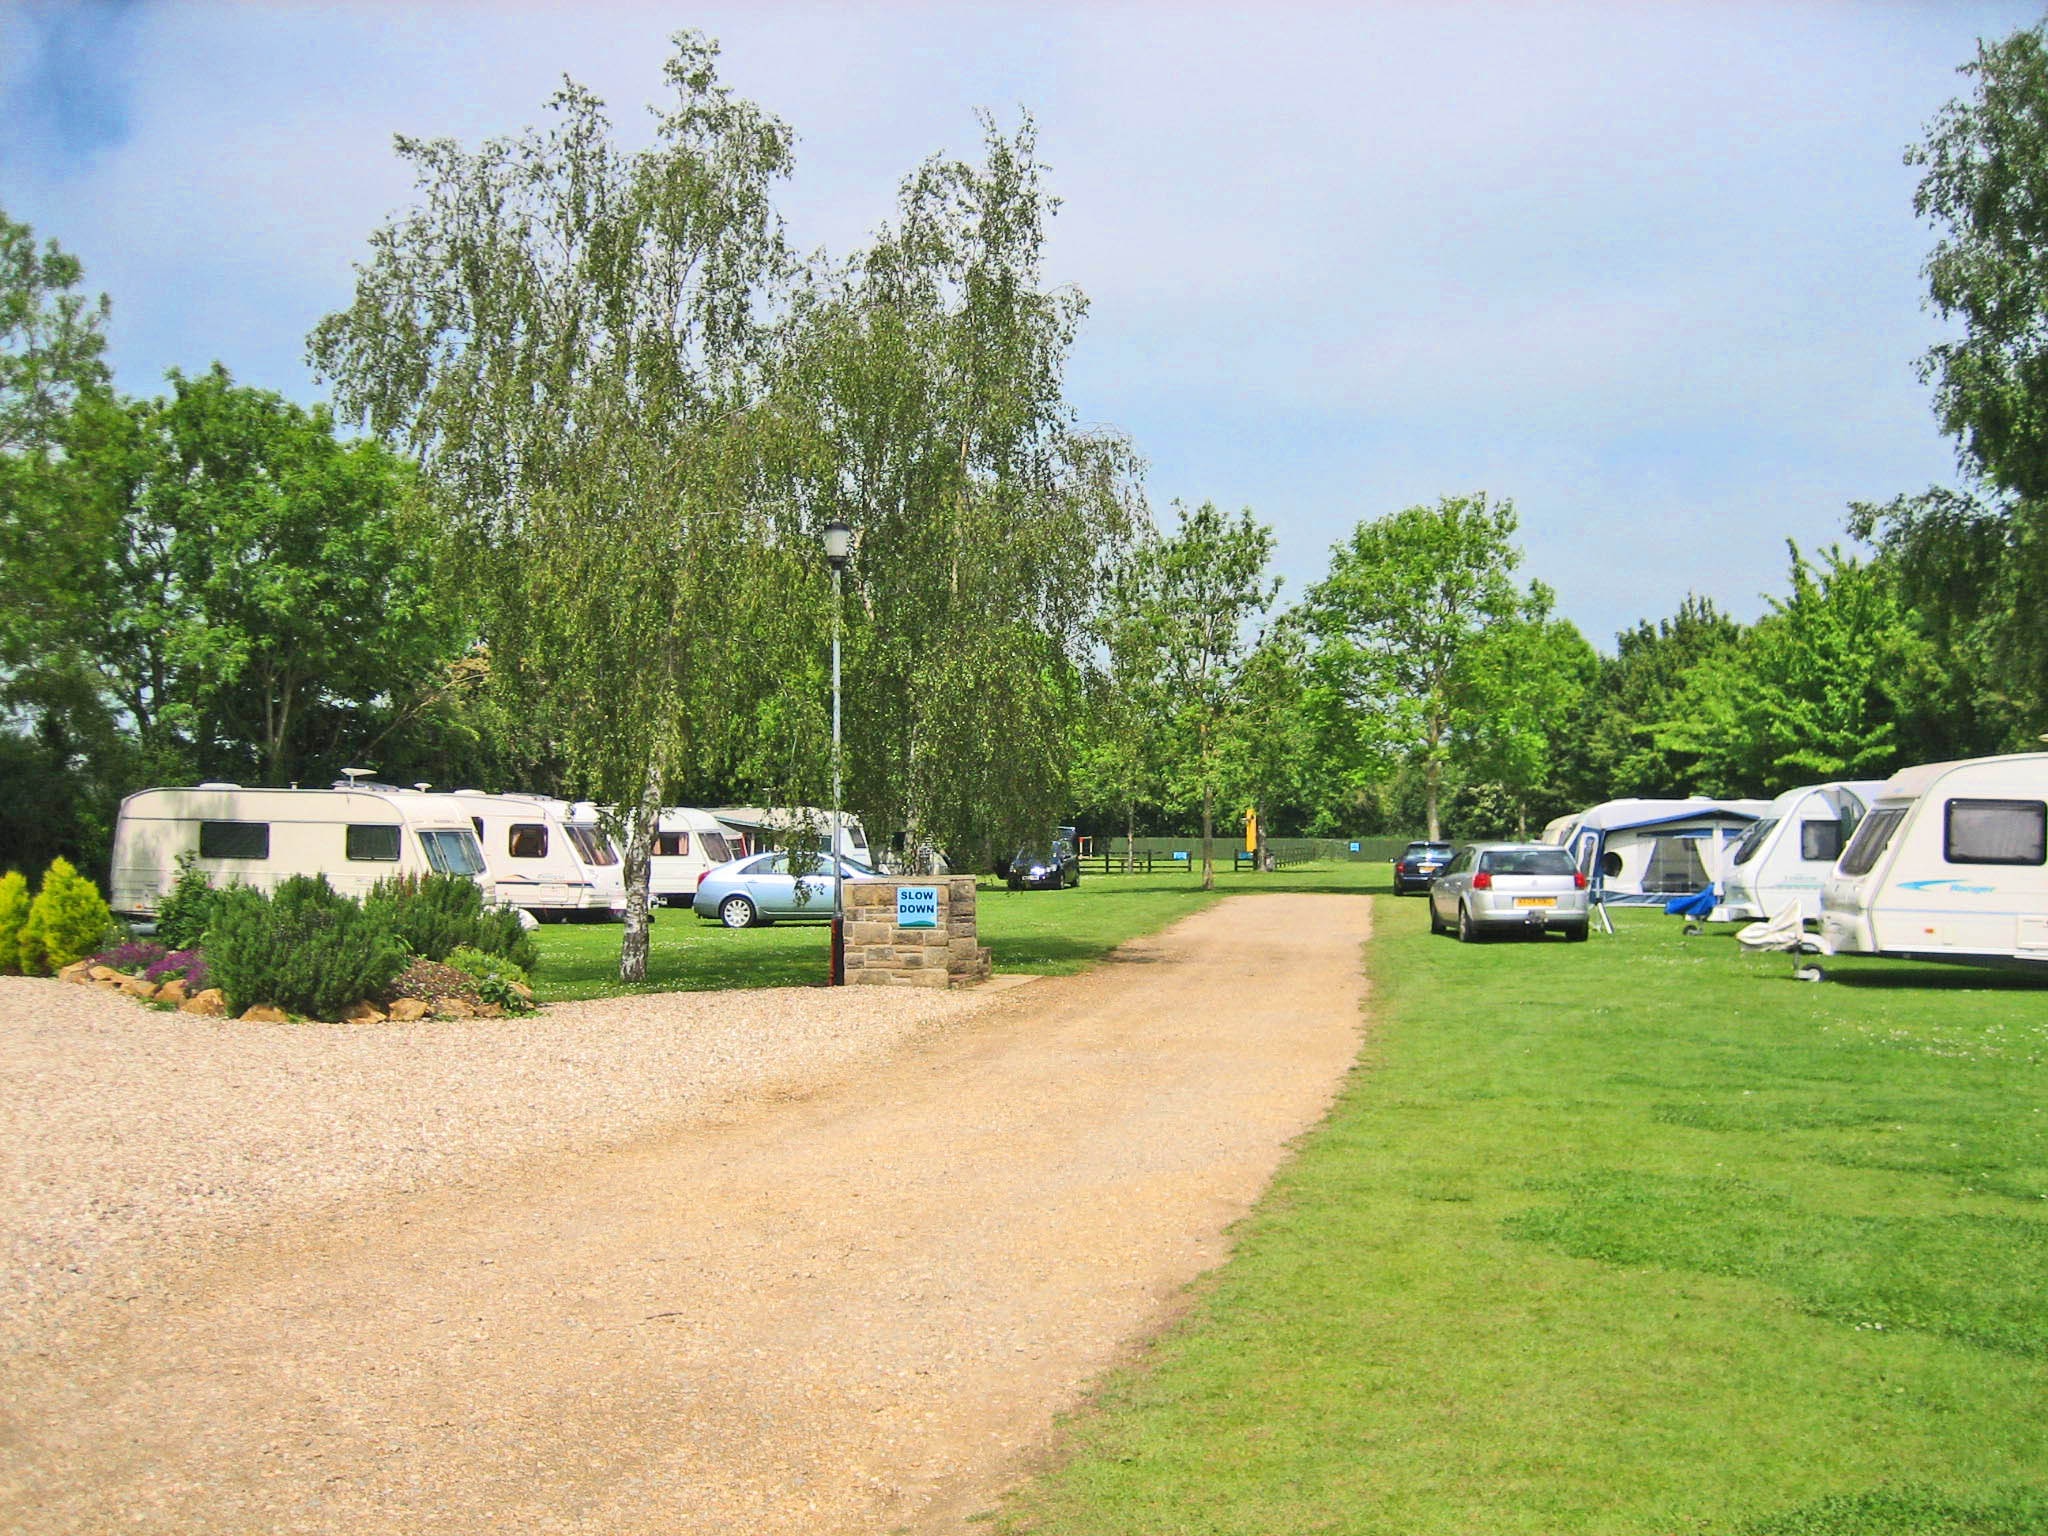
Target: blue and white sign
x=1354 y=847
x=917 y=906
x=1180 y=853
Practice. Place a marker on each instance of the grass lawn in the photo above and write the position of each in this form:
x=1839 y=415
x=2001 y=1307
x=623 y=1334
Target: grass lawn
x=1638 y=1235
x=1050 y=932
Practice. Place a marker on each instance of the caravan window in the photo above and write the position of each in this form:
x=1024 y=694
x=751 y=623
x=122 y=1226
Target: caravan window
x=234 y=839
x=1996 y=832
x=1871 y=840
x=1820 y=840
x=451 y=851
x=378 y=843
x=527 y=840
x=1753 y=840
x=595 y=847
x=715 y=848
x=673 y=845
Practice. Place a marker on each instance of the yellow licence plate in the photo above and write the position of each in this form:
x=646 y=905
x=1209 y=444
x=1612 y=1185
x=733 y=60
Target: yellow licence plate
x=1535 y=901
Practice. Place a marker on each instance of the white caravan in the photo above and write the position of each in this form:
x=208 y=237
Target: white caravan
x=543 y=862
x=355 y=836
x=1787 y=854
x=1643 y=852
x=688 y=844
x=1950 y=864
x=779 y=826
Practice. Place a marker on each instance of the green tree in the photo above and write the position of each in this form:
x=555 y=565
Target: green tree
x=1519 y=693
x=569 y=336
x=1407 y=599
x=52 y=340
x=1980 y=562
x=1191 y=598
x=924 y=405
x=1634 y=692
x=1818 y=689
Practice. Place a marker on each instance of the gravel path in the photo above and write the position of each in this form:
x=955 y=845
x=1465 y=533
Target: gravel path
x=130 y=1136
x=849 y=1289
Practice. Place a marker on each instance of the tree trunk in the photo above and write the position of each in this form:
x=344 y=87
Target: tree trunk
x=1432 y=771
x=1130 y=836
x=1208 y=839
x=639 y=846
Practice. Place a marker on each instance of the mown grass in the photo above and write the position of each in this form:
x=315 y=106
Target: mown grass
x=1639 y=1236
x=1046 y=932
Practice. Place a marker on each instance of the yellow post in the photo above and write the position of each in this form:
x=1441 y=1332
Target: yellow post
x=1251 y=830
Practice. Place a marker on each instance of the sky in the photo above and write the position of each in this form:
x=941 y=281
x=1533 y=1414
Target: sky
x=1649 y=270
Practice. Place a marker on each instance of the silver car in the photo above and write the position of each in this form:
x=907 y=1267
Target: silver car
x=760 y=889
x=1509 y=888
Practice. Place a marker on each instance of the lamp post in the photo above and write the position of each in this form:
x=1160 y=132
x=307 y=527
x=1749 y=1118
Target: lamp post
x=838 y=550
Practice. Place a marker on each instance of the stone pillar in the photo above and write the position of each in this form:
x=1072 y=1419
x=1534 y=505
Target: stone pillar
x=934 y=945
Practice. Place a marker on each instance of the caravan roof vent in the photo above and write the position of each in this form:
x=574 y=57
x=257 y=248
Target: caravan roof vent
x=218 y=784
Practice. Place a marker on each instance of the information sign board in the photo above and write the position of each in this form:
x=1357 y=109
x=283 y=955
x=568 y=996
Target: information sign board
x=1180 y=853
x=917 y=906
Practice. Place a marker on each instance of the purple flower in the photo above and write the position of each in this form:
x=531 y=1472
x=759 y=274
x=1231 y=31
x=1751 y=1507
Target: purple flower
x=188 y=963
x=135 y=955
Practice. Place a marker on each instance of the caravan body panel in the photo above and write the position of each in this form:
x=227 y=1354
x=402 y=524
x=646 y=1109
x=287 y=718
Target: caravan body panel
x=1950 y=864
x=688 y=844
x=258 y=837
x=781 y=826
x=1791 y=850
x=535 y=857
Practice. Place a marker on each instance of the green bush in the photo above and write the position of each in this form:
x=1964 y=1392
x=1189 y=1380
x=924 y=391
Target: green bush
x=498 y=980
x=67 y=921
x=438 y=914
x=182 y=916
x=13 y=913
x=304 y=948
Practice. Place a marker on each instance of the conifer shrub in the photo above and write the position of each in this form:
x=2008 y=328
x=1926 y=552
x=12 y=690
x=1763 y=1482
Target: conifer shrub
x=305 y=948
x=14 y=903
x=438 y=914
x=67 y=921
x=182 y=916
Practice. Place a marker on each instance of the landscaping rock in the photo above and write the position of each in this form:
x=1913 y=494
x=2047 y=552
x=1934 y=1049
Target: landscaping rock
x=408 y=1010
x=265 y=1013
x=105 y=973
x=212 y=1002
x=173 y=991
x=141 y=988
x=490 y=1011
x=455 y=1008
x=363 y=1013
x=79 y=971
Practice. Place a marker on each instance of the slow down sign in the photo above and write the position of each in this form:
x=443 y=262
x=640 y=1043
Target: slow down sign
x=917 y=906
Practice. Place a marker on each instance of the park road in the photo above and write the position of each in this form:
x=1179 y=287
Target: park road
x=855 y=1307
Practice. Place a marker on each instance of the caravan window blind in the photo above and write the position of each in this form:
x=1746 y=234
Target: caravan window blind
x=527 y=840
x=234 y=839
x=379 y=843
x=1996 y=832
x=1820 y=840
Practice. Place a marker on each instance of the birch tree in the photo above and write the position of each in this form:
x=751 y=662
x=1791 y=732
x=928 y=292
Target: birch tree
x=570 y=337
x=925 y=406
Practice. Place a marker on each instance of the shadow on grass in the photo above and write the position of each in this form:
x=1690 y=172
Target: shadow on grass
x=1921 y=977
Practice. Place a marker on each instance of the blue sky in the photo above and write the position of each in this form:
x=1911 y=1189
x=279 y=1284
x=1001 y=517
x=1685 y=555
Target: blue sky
x=1649 y=269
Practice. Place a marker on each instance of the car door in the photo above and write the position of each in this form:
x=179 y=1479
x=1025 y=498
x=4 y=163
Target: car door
x=771 y=885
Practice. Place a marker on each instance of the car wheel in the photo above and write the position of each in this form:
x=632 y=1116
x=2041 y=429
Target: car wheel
x=1436 y=924
x=737 y=912
x=1577 y=934
x=1467 y=932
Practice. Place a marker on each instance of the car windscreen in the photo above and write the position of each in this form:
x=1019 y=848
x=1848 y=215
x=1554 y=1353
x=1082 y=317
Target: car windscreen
x=1527 y=861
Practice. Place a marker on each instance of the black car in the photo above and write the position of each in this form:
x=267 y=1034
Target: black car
x=1419 y=864
x=1046 y=867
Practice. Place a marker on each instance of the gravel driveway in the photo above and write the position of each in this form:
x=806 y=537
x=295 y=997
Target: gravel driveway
x=820 y=1263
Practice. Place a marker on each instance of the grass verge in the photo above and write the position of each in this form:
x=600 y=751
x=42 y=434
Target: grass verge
x=1046 y=932
x=1634 y=1236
